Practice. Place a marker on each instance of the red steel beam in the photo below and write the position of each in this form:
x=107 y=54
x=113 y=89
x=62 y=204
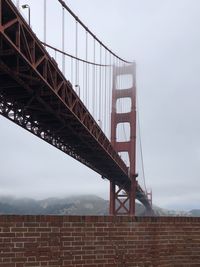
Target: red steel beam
x=123 y=200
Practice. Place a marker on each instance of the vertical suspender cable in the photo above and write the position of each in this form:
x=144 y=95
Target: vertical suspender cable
x=105 y=96
x=110 y=96
x=86 y=71
x=119 y=132
x=96 y=92
x=93 y=82
x=88 y=75
x=72 y=76
x=63 y=40
x=76 y=52
x=55 y=55
x=122 y=84
x=45 y=21
x=83 y=82
x=100 y=93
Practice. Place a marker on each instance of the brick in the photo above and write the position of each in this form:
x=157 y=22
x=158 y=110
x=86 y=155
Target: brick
x=100 y=241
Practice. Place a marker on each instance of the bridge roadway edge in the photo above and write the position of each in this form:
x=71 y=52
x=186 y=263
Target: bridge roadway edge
x=100 y=241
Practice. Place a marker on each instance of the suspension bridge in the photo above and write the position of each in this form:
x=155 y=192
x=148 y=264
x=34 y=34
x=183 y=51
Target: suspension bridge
x=77 y=95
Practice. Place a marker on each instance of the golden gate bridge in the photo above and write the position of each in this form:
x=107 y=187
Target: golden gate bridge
x=81 y=100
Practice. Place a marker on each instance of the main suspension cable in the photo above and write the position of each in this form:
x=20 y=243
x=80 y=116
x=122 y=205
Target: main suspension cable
x=89 y=31
x=74 y=57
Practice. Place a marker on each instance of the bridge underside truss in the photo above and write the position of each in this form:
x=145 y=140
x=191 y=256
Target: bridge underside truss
x=35 y=95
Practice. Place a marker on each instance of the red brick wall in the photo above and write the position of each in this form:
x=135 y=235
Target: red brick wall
x=86 y=241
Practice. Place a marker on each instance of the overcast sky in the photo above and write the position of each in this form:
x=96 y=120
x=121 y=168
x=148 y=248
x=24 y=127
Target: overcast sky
x=163 y=37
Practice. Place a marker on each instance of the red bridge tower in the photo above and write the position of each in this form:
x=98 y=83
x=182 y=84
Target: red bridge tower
x=121 y=201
